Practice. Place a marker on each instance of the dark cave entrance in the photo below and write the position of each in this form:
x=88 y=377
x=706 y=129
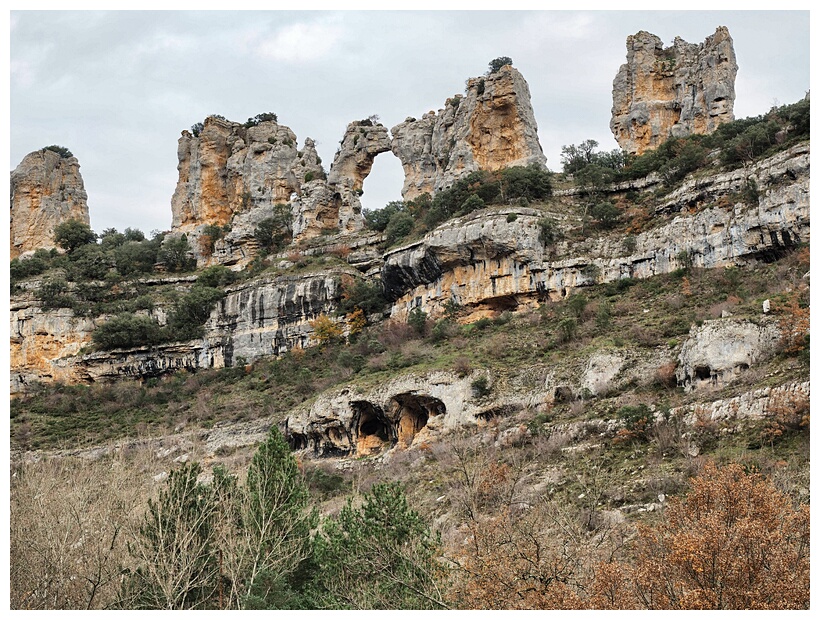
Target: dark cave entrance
x=411 y=413
x=374 y=433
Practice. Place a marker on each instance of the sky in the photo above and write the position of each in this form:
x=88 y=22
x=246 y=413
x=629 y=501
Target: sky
x=118 y=87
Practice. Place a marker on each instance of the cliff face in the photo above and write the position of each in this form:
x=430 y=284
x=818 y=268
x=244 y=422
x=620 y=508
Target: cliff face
x=487 y=261
x=229 y=169
x=234 y=176
x=260 y=318
x=680 y=90
x=46 y=190
x=491 y=263
x=491 y=127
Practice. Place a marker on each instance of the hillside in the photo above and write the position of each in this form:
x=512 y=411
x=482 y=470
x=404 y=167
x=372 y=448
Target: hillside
x=546 y=363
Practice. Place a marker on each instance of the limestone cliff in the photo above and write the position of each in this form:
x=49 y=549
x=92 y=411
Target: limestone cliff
x=46 y=190
x=233 y=176
x=676 y=91
x=492 y=261
x=258 y=318
x=491 y=127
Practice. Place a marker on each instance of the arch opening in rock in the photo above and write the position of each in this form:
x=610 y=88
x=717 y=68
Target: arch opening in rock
x=383 y=182
x=374 y=432
x=411 y=413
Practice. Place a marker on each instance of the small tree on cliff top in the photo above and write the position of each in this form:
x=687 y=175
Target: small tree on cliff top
x=499 y=62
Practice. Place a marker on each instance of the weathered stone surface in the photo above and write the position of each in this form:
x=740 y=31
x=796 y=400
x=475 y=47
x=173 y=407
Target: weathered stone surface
x=39 y=339
x=363 y=140
x=755 y=405
x=484 y=259
x=719 y=350
x=352 y=420
x=46 y=190
x=681 y=90
x=229 y=169
x=232 y=176
x=491 y=127
x=259 y=318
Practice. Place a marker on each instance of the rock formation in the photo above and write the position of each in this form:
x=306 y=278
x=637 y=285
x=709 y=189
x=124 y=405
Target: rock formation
x=718 y=350
x=491 y=127
x=493 y=262
x=233 y=176
x=46 y=190
x=677 y=91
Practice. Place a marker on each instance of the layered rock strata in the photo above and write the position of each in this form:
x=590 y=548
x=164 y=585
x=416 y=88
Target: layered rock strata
x=491 y=127
x=676 y=91
x=46 y=190
x=261 y=318
x=496 y=261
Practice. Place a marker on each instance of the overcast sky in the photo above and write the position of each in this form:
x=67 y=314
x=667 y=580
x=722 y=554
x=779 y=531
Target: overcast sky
x=117 y=88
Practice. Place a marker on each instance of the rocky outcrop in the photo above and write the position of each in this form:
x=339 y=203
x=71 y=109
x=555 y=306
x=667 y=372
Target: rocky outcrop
x=259 y=318
x=676 y=91
x=46 y=190
x=491 y=127
x=353 y=421
x=493 y=259
x=363 y=140
x=40 y=339
x=233 y=176
x=719 y=350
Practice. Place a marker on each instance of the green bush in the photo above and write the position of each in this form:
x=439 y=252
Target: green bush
x=253 y=121
x=54 y=294
x=190 y=312
x=215 y=276
x=275 y=232
x=175 y=254
x=526 y=182
x=481 y=387
x=60 y=150
x=605 y=214
x=400 y=225
x=378 y=219
x=73 y=234
x=126 y=331
x=497 y=63
x=368 y=296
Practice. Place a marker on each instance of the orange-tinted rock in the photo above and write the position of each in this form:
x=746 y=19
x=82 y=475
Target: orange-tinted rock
x=672 y=92
x=491 y=127
x=46 y=190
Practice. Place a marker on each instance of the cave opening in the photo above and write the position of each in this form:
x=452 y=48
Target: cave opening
x=374 y=433
x=411 y=413
x=703 y=373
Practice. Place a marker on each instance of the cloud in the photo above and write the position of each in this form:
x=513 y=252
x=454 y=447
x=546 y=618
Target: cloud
x=300 y=42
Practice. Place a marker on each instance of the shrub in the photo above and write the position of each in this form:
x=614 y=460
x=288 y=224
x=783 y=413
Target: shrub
x=275 y=232
x=417 y=319
x=175 y=253
x=378 y=219
x=400 y=225
x=253 y=121
x=54 y=294
x=497 y=63
x=605 y=214
x=546 y=231
x=526 y=183
x=361 y=294
x=62 y=151
x=566 y=330
x=197 y=128
x=325 y=330
x=73 y=234
x=127 y=331
x=481 y=387
x=215 y=276
x=190 y=312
